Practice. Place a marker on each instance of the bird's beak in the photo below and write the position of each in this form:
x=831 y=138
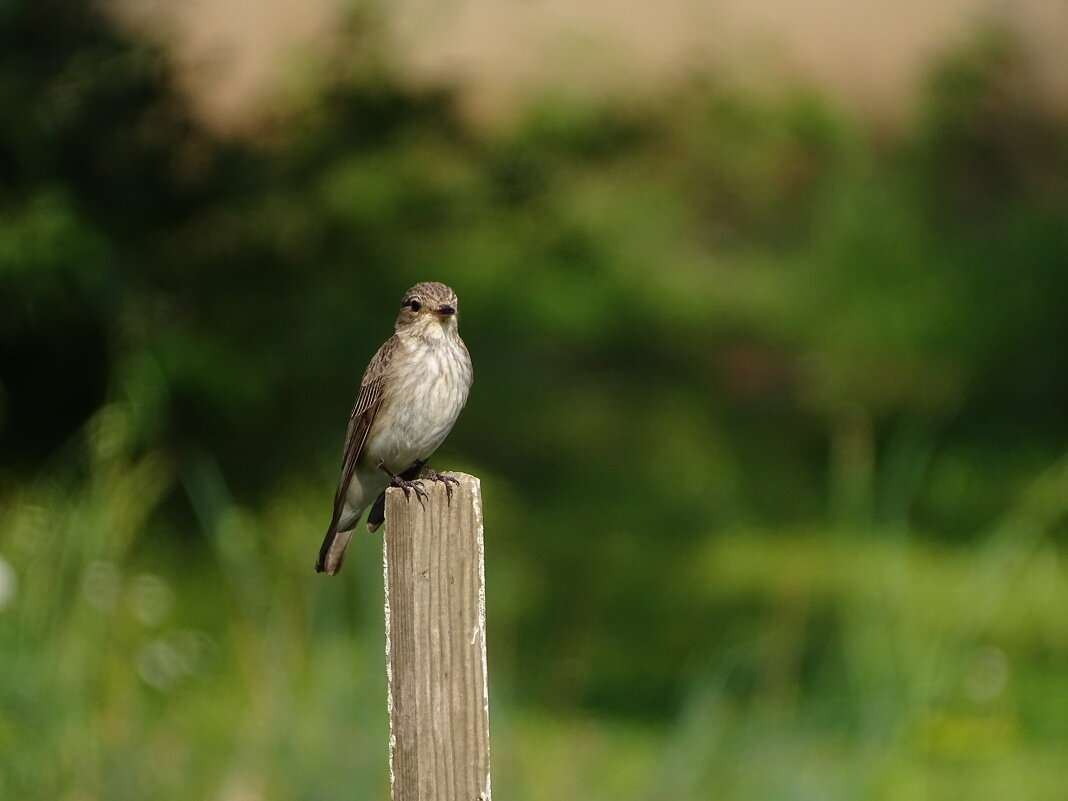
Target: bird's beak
x=445 y=310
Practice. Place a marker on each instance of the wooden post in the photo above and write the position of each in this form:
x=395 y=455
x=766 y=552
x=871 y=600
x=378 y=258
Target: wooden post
x=436 y=644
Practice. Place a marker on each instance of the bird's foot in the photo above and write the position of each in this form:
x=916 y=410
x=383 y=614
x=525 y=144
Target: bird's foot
x=430 y=474
x=407 y=487
x=404 y=484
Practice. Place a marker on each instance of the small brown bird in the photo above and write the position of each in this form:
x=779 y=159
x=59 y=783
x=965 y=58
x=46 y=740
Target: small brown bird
x=410 y=396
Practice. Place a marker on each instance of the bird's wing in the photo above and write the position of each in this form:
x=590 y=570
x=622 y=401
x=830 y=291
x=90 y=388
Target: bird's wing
x=363 y=414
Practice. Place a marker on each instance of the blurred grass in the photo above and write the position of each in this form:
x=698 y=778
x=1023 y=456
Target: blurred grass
x=853 y=663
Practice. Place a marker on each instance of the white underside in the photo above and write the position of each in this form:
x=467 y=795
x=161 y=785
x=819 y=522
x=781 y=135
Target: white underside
x=420 y=407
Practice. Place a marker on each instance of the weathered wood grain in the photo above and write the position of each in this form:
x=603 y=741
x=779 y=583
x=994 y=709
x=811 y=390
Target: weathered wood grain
x=436 y=644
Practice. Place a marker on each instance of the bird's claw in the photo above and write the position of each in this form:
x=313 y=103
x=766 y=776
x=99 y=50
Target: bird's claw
x=430 y=474
x=407 y=487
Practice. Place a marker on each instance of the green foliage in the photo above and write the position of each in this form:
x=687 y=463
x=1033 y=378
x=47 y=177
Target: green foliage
x=765 y=412
x=849 y=664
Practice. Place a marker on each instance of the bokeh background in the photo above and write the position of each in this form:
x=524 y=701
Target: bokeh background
x=769 y=317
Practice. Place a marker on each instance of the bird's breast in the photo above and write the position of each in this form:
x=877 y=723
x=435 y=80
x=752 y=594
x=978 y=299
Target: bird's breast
x=428 y=387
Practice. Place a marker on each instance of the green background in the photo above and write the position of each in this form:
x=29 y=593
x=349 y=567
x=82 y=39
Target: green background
x=770 y=413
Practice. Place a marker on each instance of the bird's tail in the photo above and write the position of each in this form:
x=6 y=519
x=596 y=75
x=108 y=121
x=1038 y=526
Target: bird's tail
x=332 y=553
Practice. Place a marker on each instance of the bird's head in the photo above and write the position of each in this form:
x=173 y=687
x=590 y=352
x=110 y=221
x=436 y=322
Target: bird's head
x=429 y=309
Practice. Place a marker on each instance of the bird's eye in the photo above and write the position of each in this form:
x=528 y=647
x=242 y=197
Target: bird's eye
x=415 y=305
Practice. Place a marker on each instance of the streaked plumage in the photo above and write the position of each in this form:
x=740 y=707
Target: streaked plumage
x=410 y=396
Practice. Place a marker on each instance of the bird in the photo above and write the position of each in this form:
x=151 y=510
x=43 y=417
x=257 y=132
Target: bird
x=409 y=399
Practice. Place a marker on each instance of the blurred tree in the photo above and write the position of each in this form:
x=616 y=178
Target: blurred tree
x=705 y=311
x=93 y=143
